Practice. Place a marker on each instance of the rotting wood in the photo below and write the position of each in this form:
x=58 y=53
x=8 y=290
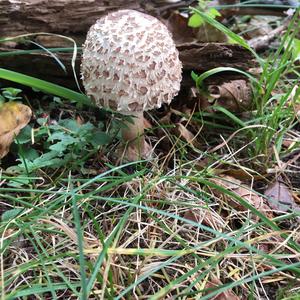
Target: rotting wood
x=59 y=16
x=198 y=57
x=205 y=56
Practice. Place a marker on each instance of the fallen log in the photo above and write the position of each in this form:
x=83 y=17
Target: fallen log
x=59 y=16
x=199 y=57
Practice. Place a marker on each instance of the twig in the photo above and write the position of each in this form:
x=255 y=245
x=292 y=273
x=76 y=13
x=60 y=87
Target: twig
x=262 y=42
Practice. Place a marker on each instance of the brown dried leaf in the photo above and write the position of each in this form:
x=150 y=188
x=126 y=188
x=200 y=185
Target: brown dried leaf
x=70 y=232
x=297 y=111
x=288 y=143
x=204 y=216
x=226 y=295
x=166 y=119
x=260 y=26
x=235 y=95
x=244 y=192
x=181 y=32
x=186 y=134
x=13 y=117
x=238 y=173
x=232 y=8
x=279 y=196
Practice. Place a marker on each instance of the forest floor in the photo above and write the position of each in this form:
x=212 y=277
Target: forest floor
x=214 y=214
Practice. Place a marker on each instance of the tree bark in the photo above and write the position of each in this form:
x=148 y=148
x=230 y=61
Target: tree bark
x=59 y=16
x=69 y=18
x=198 y=57
x=76 y=16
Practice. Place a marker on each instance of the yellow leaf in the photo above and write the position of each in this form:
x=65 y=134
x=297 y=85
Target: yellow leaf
x=13 y=117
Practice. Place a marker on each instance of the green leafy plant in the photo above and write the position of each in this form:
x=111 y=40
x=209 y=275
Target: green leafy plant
x=196 y=20
x=10 y=94
x=65 y=143
x=271 y=112
x=295 y=49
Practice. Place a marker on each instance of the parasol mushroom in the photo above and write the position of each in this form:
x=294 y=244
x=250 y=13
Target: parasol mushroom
x=130 y=64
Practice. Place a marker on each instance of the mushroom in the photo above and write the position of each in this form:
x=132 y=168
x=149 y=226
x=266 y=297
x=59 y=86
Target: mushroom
x=130 y=64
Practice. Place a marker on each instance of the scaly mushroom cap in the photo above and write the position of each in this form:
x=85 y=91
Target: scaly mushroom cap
x=130 y=62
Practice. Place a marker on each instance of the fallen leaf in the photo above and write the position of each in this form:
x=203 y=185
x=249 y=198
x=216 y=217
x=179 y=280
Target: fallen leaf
x=206 y=217
x=245 y=192
x=260 y=26
x=184 y=34
x=231 y=7
x=279 y=196
x=13 y=117
x=235 y=95
x=289 y=143
x=60 y=225
x=226 y=295
x=239 y=173
x=181 y=32
x=185 y=134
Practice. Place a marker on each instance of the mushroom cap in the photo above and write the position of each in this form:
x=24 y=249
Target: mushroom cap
x=130 y=62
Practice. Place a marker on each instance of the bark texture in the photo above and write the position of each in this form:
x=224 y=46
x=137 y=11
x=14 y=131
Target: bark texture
x=199 y=57
x=59 y=16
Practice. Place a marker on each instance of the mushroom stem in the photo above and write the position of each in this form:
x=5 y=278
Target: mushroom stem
x=133 y=134
x=133 y=131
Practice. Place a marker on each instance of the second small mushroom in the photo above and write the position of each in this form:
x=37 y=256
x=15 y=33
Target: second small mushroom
x=130 y=64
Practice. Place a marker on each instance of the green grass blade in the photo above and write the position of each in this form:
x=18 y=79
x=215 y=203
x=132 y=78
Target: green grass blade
x=36 y=290
x=80 y=242
x=217 y=70
x=27 y=35
x=58 y=61
x=33 y=51
x=226 y=31
x=230 y=115
x=249 y=279
x=44 y=86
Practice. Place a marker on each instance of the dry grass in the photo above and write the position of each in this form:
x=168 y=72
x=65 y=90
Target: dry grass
x=179 y=237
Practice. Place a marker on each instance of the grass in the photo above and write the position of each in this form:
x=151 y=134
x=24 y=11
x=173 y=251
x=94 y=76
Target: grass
x=76 y=226
x=53 y=219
